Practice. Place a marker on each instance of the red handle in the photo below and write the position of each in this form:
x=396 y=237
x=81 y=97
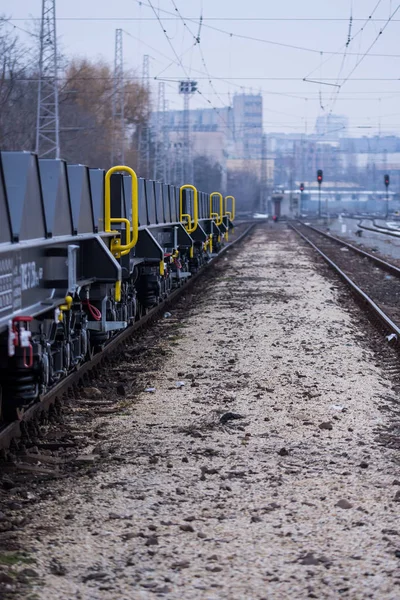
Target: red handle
x=28 y=364
x=22 y=319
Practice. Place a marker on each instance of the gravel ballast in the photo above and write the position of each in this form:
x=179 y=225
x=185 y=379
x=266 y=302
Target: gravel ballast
x=251 y=469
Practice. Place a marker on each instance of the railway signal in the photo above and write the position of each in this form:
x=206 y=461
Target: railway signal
x=387 y=183
x=301 y=199
x=320 y=177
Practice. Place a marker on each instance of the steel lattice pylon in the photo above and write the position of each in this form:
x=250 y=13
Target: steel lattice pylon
x=167 y=163
x=161 y=137
x=118 y=118
x=187 y=88
x=48 y=123
x=263 y=175
x=144 y=132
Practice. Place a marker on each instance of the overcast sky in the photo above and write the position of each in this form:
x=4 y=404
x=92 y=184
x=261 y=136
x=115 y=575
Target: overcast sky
x=313 y=29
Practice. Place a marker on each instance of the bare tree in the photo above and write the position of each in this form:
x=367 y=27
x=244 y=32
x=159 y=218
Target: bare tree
x=245 y=186
x=85 y=95
x=207 y=174
x=18 y=93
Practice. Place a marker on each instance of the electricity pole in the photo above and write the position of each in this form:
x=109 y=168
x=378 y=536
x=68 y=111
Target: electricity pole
x=118 y=119
x=187 y=88
x=167 y=160
x=301 y=199
x=144 y=134
x=263 y=175
x=159 y=169
x=48 y=122
x=320 y=176
x=387 y=182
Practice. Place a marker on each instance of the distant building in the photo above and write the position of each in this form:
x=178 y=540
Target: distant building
x=248 y=125
x=208 y=143
x=331 y=127
x=252 y=165
x=201 y=119
x=231 y=131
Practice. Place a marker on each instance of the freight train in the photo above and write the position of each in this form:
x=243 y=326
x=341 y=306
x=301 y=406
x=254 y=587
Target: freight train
x=83 y=255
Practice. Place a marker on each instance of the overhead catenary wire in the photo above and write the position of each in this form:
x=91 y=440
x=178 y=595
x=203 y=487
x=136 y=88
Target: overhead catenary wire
x=360 y=59
x=12 y=24
x=178 y=58
x=198 y=45
x=349 y=40
x=261 y=40
x=236 y=81
x=223 y=31
x=168 y=39
x=223 y=18
x=371 y=46
x=226 y=78
x=329 y=53
x=344 y=46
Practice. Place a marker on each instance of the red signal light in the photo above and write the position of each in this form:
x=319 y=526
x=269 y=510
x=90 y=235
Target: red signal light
x=320 y=176
x=387 y=180
x=302 y=187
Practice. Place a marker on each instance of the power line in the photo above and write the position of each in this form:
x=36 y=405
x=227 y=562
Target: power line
x=179 y=58
x=359 y=61
x=371 y=46
x=225 y=78
x=166 y=36
x=197 y=43
x=289 y=94
x=231 y=33
x=335 y=94
x=261 y=40
x=345 y=46
x=9 y=22
x=288 y=78
x=144 y=131
x=225 y=18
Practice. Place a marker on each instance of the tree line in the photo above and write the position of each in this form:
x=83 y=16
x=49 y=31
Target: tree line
x=85 y=91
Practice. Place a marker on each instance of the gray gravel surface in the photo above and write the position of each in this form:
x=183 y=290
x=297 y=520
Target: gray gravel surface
x=262 y=477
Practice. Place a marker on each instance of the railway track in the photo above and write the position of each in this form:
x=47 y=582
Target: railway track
x=375 y=282
x=378 y=228
x=13 y=430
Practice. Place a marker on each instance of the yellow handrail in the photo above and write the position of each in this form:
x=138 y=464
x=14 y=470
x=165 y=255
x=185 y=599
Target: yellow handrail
x=189 y=226
x=132 y=229
x=230 y=213
x=127 y=227
x=215 y=215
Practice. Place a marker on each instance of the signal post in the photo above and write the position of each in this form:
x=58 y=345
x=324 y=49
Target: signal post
x=320 y=177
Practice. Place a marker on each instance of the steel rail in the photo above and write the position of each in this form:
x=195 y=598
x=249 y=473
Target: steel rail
x=371 y=305
x=13 y=430
x=382 y=230
x=379 y=261
x=386 y=228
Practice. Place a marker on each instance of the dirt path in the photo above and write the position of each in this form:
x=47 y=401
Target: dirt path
x=295 y=499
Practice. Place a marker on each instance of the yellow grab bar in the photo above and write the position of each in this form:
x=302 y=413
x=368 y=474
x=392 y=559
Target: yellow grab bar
x=230 y=213
x=189 y=226
x=217 y=216
x=127 y=227
x=132 y=229
x=117 y=294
